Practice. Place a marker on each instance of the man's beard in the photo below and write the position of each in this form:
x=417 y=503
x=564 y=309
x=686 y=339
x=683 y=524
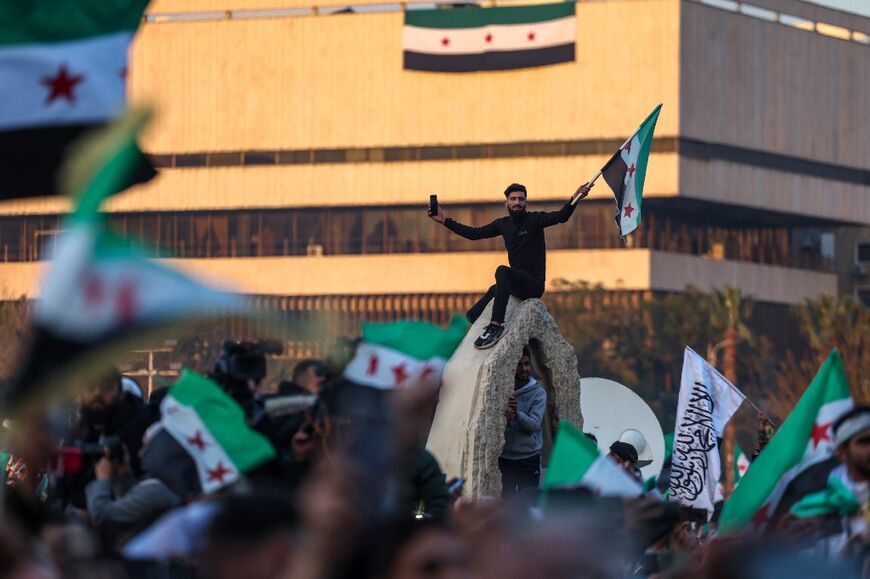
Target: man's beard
x=97 y=416
x=516 y=212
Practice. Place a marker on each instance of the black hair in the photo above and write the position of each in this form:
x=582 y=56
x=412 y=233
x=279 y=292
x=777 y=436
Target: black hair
x=319 y=368
x=515 y=187
x=526 y=352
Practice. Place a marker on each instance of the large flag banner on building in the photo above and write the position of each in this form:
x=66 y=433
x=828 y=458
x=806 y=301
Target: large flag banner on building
x=99 y=288
x=63 y=70
x=505 y=37
x=576 y=462
x=625 y=173
x=798 y=449
x=707 y=402
x=399 y=354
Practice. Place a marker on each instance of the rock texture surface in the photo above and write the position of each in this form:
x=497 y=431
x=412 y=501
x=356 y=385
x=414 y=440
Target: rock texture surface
x=467 y=432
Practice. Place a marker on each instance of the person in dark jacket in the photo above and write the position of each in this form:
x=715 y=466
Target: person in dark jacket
x=425 y=489
x=523 y=234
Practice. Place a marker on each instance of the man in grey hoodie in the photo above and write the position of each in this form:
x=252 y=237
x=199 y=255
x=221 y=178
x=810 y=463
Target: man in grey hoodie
x=520 y=460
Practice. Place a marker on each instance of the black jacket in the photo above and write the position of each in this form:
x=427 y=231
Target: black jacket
x=523 y=237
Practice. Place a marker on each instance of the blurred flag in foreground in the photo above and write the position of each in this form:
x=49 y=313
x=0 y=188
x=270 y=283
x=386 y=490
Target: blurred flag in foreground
x=397 y=354
x=576 y=462
x=63 y=70
x=803 y=443
x=99 y=289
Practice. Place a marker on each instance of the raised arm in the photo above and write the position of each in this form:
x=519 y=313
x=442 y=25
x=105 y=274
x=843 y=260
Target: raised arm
x=562 y=215
x=466 y=231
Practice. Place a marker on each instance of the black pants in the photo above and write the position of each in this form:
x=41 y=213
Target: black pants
x=508 y=282
x=518 y=475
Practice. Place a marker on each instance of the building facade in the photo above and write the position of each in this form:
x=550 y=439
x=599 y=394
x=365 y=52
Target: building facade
x=297 y=155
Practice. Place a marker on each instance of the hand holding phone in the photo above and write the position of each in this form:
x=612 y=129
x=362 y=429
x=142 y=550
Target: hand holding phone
x=434 y=211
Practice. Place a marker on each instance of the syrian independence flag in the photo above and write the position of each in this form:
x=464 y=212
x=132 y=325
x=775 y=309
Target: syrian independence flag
x=471 y=39
x=202 y=443
x=798 y=459
x=399 y=354
x=576 y=462
x=707 y=402
x=626 y=173
x=63 y=70
x=741 y=463
x=98 y=288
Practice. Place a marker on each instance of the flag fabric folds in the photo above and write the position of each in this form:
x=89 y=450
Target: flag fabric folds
x=203 y=442
x=625 y=173
x=398 y=354
x=800 y=453
x=63 y=69
x=99 y=288
x=576 y=462
x=500 y=38
x=706 y=404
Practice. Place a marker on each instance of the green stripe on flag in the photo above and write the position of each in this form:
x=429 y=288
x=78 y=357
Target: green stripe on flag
x=573 y=454
x=417 y=339
x=788 y=446
x=224 y=419
x=102 y=163
x=478 y=17
x=645 y=136
x=46 y=21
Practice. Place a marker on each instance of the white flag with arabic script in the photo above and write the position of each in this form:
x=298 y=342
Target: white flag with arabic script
x=707 y=402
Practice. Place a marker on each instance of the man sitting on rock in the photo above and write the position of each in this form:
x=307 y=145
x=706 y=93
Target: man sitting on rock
x=523 y=234
x=520 y=460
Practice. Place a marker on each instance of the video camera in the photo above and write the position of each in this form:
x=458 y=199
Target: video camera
x=245 y=360
x=72 y=458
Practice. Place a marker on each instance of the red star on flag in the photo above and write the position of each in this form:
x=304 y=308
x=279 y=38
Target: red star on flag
x=628 y=146
x=821 y=432
x=373 y=365
x=531 y=36
x=126 y=302
x=62 y=85
x=488 y=38
x=93 y=290
x=400 y=374
x=445 y=41
x=761 y=517
x=197 y=441
x=427 y=371
x=631 y=171
x=742 y=468
x=218 y=473
x=628 y=210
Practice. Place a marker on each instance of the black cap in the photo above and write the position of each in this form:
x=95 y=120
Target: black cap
x=624 y=451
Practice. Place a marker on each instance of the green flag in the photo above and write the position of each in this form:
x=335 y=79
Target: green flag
x=576 y=462
x=804 y=440
x=396 y=354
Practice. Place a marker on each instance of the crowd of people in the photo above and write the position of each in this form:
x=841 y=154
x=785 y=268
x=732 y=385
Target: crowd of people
x=349 y=490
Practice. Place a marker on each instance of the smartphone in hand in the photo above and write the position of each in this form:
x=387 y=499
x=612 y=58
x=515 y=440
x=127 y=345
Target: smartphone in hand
x=433 y=205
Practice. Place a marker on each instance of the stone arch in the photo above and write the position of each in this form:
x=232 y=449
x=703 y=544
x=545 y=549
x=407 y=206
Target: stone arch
x=467 y=433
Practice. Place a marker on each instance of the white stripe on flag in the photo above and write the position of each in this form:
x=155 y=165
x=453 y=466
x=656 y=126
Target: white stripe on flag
x=188 y=429
x=607 y=478
x=385 y=368
x=630 y=210
x=95 y=67
x=501 y=37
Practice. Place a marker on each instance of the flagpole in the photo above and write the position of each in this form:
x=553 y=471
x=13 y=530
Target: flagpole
x=734 y=388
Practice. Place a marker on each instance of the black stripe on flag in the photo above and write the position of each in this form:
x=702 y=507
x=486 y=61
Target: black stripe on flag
x=164 y=458
x=30 y=158
x=614 y=174
x=495 y=60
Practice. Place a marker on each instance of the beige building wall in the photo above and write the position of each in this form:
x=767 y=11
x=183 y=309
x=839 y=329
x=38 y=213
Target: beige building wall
x=771 y=87
x=628 y=269
x=337 y=81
